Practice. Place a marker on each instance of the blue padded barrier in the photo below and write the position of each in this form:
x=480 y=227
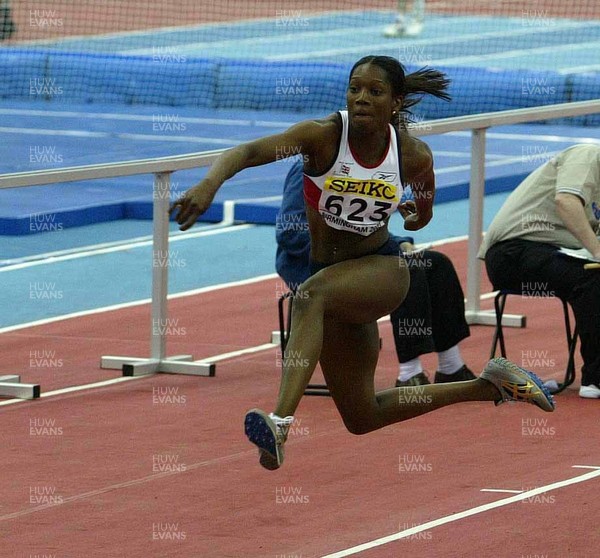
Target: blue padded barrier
x=134 y=80
x=264 y=85
x=586 y=87
x=473 y=88
x=24 y=75
x=288 y=86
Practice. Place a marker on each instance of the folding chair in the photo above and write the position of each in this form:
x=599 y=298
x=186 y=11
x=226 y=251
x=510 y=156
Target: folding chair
x=500 y=302
x=284 y=331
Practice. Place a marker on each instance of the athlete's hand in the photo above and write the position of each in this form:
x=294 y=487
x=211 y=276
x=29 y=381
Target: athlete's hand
x=407 y=208
x=416 y=221
x=192 y=204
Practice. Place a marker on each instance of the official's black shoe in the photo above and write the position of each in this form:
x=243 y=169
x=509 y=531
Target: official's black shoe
x=463 y=374
x=419 y=380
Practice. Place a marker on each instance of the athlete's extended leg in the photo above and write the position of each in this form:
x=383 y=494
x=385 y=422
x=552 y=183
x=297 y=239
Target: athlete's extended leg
x=348 y=359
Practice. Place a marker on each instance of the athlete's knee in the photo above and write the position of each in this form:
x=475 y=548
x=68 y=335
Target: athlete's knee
x=308 y=294
x=357 y=426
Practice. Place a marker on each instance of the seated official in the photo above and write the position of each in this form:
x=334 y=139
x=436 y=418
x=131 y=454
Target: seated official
x=556 y=206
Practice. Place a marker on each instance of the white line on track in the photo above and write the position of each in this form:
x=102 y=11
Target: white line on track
x=501 y=490
x=144 y=117
x=233 y=354
x=122 y=305
x=115 y=135
x=125 y=484
x=580 y=69
x=516 y=53
x=294 y=38
x=533 y=137
x=90 y=247
x=85 y=252
x=261 y=123
x=461 y=515
x=72 y=389
x=113 y=381
x=153 y=32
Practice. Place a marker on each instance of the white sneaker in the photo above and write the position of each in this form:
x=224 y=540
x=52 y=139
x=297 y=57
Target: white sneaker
x=403 y=27
x=269 y=433
x=397 y=29
x=413 y=29
x=589 y=392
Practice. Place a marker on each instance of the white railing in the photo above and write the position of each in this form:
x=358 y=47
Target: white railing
x=163 y=167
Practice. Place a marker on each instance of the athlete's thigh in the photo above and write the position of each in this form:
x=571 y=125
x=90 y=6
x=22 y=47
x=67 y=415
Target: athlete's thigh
x=361 y=290
x=348 y=359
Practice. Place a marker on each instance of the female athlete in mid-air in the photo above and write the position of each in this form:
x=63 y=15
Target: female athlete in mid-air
x=356 y=164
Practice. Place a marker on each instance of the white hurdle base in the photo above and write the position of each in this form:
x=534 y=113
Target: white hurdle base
x=276 y=337
x=11 y=386
x=180 y=364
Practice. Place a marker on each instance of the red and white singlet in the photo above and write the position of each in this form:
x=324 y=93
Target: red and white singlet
x=354 y=197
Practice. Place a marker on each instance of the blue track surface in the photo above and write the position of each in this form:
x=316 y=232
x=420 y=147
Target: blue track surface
x=78 y=135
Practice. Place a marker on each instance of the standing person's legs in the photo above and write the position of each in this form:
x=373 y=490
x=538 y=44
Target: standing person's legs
x=449 y=326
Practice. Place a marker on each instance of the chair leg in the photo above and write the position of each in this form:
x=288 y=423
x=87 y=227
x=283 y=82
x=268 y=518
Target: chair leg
x=570 y=375
x=284 y=331
x=572 y=345
x=499 y=303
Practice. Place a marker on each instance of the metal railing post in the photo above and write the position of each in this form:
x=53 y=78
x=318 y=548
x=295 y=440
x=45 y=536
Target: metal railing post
x=476 y=195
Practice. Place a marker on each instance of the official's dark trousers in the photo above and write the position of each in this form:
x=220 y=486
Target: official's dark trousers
x=432 y=316
x=526 y=266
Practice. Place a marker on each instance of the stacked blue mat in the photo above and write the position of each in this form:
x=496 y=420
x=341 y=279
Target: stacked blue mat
x=268 y=85
x=295 y=87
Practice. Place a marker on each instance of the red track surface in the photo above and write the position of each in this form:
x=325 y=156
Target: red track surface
x=160 y=467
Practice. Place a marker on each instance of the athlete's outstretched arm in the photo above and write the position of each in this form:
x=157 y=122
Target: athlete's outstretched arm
x=299 y=139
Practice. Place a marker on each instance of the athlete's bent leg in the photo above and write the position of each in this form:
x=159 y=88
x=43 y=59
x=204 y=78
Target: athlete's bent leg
x=357 y=291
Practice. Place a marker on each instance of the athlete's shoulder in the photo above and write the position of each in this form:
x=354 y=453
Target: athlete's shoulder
x=416 y=154
x=322 y=143
x=330 y=124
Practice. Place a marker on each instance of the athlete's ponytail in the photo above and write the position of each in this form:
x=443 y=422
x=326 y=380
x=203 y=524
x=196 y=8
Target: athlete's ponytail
x=422 y=82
